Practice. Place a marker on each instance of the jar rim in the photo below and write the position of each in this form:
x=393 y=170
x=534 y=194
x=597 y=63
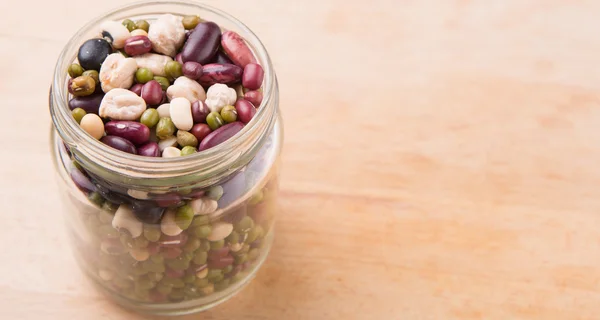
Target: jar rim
x=136 y=166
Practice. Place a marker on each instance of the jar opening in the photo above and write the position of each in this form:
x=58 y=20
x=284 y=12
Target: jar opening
x=116 y=165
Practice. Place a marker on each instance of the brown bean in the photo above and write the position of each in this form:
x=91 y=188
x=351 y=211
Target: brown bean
x=255 y=97
x=220 y=73
x=137 y=89
x=237 y=49
x=152 y=93
x=137 y=45
x=173 y=241
x=200 y=131
x=253 y=76
x=218 y=253
x=192 y=70
x=220 y=135
x=199 y=111
x=221 y=262
x=245 y=110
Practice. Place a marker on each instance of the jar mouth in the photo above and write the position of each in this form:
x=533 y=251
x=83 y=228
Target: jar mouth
x=224 y=155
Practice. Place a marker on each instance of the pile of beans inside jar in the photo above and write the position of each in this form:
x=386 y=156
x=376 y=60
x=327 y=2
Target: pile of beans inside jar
x=169 y=88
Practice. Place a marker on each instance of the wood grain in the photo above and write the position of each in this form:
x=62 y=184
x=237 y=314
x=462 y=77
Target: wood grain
x=440 y=162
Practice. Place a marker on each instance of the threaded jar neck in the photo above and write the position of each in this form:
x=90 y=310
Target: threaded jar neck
x=200 y=169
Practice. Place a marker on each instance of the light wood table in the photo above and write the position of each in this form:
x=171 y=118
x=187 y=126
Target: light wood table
x=442 y=161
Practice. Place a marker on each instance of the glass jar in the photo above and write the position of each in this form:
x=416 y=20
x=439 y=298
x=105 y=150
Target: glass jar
x=126 y=214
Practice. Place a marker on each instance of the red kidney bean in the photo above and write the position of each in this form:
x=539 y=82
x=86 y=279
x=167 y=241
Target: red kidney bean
x=119 y=144
x=237 y=49
x=200 y=131
x=157 y=297
x=149 y=149
x=220 y=135
x=133 y=131
x=82 y=181
x=173 y=241
x=153 y=248
x=233 y=272
x=168 y=200
x=253 y=76
x=245 y=110
x=255 y=97
x=221 y=262
x=220 y=73
x=152 y=93
x=199 y=111
x=137 y=45
x=179 y=59
x=137 y=89
x=170 y=273
x=202 y=44
x=171 y=253
x=90 y=103
x=217 y=254
x=222 y=58
x=192 y=70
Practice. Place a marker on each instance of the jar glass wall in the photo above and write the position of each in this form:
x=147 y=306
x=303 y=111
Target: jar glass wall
x=169 y=235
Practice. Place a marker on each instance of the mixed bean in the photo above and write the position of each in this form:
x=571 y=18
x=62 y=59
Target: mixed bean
x=170 y=88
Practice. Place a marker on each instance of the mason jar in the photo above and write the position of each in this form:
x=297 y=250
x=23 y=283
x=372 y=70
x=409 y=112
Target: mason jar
x=152 y=263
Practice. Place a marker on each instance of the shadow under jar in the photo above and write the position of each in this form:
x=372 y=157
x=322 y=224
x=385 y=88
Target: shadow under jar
x=137 y=264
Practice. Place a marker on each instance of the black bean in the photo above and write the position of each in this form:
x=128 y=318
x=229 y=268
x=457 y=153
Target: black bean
x=92 y=53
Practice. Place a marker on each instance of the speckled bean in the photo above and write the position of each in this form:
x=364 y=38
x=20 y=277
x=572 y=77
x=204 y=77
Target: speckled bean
x=237 y=49
x=220 y=73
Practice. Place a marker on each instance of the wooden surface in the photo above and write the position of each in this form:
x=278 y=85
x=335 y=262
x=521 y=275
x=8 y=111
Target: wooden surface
x=441 y=162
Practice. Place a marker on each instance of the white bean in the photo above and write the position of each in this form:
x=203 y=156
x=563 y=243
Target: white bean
x=115 y=33
x=220 y=231
x=171 y=152
x=167 y=142
x=117 y=72
x=204 y=205
x=181 y=114
x=139 y=254
x=93 y=125
x=186 y=88
x=141 y=195
x=139 y=32
x=202 y=273
x=167 y=34
x=125 y=219
x=220 y=95
x=122 y=104
x=155 y=62
x=164 y=110
x=168 y=225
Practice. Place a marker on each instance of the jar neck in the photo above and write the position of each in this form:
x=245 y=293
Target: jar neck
x=198 y=170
